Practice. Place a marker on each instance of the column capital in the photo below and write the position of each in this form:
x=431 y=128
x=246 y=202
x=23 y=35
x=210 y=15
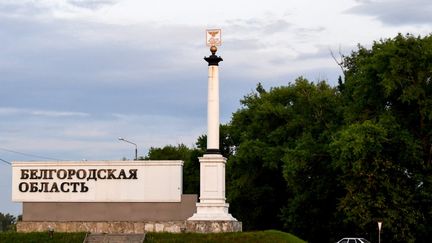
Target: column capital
x=213 y=60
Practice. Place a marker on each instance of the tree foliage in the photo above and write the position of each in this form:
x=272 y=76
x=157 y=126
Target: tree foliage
x=377 y=186
x=384 y=151
x=7 y=222
x=349 y=157
x=279 y=169
x=328 y=162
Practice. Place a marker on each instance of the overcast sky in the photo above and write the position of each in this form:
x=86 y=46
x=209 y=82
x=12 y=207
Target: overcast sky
x=77 y=74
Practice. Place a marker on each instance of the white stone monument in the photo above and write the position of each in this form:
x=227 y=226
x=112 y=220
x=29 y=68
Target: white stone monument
x=138 y=196
x=212 y=204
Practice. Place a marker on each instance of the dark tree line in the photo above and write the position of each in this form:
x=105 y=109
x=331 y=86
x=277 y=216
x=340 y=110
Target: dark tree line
x=326 y=162
x=7 y=222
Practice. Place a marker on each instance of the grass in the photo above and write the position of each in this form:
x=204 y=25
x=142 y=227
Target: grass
x=254 y=236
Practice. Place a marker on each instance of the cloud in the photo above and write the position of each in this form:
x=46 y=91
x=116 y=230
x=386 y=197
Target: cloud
x=11 y=8
x=101 y=69
x=309 y=33
x=8 y=111
x=57 y=113
x=396 y=12
x=257 y=26
x=91 y=4
x=277 y=26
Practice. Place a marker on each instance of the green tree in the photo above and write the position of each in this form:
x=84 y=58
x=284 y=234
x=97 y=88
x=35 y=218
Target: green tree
x=280 y=175
x=7 y=222
x=384 y=151
x=315 y=114
x=377 y=186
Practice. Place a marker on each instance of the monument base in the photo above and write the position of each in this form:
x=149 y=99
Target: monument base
x=212 y=212
x=212 y=205
x=132 y=227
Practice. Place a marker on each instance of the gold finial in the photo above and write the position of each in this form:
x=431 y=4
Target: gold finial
x=213 y=49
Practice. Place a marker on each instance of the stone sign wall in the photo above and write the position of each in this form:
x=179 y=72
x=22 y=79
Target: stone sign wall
x=97 y=181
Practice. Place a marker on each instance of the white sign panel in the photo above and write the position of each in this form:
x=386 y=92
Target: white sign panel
x=97 y=181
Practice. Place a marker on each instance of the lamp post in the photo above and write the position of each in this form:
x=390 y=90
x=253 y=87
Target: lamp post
x=136 y=147
x=379 y=231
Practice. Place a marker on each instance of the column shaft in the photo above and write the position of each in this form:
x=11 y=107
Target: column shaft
x=213 y=109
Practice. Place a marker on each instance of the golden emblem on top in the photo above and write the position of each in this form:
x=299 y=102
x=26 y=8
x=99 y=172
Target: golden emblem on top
x=213 y=37
x=213 y=33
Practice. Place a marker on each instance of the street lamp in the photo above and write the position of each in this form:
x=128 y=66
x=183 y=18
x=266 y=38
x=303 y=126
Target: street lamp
x=136 y=147
x=379 y=231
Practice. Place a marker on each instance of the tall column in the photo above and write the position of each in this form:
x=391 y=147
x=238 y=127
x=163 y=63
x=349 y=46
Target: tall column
x=212 y=205
x=213 y=109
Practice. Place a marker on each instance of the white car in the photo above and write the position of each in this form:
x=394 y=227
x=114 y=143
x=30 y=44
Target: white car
x=353 y=240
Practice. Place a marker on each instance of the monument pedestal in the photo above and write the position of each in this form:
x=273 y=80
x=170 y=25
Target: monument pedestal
x=212 y=205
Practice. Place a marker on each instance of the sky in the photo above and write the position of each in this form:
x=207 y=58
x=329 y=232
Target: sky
x=77 y=74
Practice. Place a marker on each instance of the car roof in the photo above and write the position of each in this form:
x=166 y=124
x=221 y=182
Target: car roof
x=354 y=238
